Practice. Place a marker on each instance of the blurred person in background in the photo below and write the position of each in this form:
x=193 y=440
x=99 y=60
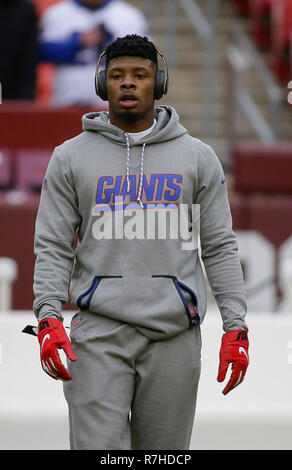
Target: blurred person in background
x=18 y=49
x=73 y=34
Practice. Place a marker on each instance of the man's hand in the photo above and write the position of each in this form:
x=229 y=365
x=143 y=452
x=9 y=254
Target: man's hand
x=52 y=336
x=234 y=350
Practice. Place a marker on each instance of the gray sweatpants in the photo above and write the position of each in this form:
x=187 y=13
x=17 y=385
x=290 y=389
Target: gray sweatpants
x=128 y=392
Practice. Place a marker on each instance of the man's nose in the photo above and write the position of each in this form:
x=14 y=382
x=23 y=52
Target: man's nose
x=128 y=83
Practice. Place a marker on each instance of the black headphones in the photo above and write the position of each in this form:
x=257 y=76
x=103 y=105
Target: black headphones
x=161 y=81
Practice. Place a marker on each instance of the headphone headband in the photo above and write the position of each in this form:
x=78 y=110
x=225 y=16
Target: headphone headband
x=161 y=83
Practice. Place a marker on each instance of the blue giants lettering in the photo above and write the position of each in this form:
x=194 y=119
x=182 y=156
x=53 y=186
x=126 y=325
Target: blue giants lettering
x=174 y=191
x=160 y=187
x=108 y=188
x=132 y=190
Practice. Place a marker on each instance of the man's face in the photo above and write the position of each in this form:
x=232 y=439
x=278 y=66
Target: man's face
x=130 y=87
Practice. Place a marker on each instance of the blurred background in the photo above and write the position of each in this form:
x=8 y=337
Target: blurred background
x=230 y=64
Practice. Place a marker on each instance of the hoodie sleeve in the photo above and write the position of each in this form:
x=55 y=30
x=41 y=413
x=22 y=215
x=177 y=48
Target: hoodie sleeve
x=219 y=250
x=57 y=223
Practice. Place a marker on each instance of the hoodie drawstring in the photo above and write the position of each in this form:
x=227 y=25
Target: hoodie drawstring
x=128 y=162
x=141 y=169
x=141 y=175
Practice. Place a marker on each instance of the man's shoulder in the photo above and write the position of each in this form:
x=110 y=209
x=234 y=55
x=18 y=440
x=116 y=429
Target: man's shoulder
x=194 y=143
x=200 y=151
x=80 y=140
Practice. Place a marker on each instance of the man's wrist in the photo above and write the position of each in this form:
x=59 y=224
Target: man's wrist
x=50 y=315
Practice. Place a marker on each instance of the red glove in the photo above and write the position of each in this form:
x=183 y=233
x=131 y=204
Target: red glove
x=52 y=336
x=234 y=350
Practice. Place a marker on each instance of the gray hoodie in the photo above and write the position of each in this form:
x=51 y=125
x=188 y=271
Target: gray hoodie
x=109 y=229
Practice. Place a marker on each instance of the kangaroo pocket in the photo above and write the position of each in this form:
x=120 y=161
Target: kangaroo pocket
x=159 y=306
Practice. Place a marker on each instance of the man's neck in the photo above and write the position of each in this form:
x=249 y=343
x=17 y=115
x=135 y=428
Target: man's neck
x=139 y=125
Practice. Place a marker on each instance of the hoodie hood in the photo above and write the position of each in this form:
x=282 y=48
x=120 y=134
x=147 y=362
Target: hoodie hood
x=166 y=129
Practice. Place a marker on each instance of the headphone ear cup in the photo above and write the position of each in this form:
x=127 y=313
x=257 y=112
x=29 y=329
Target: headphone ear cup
x=100 y=85
x=160 y=85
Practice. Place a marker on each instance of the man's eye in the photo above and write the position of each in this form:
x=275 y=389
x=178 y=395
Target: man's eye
x=116 y=76
x=140 y=75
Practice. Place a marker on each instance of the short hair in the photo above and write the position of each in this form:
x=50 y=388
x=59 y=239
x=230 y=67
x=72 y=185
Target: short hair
x=131 y=45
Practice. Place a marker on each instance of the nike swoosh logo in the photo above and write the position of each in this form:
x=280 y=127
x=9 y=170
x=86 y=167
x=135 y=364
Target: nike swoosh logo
x=242 y=350
x=238 y=380
x=47 y=336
